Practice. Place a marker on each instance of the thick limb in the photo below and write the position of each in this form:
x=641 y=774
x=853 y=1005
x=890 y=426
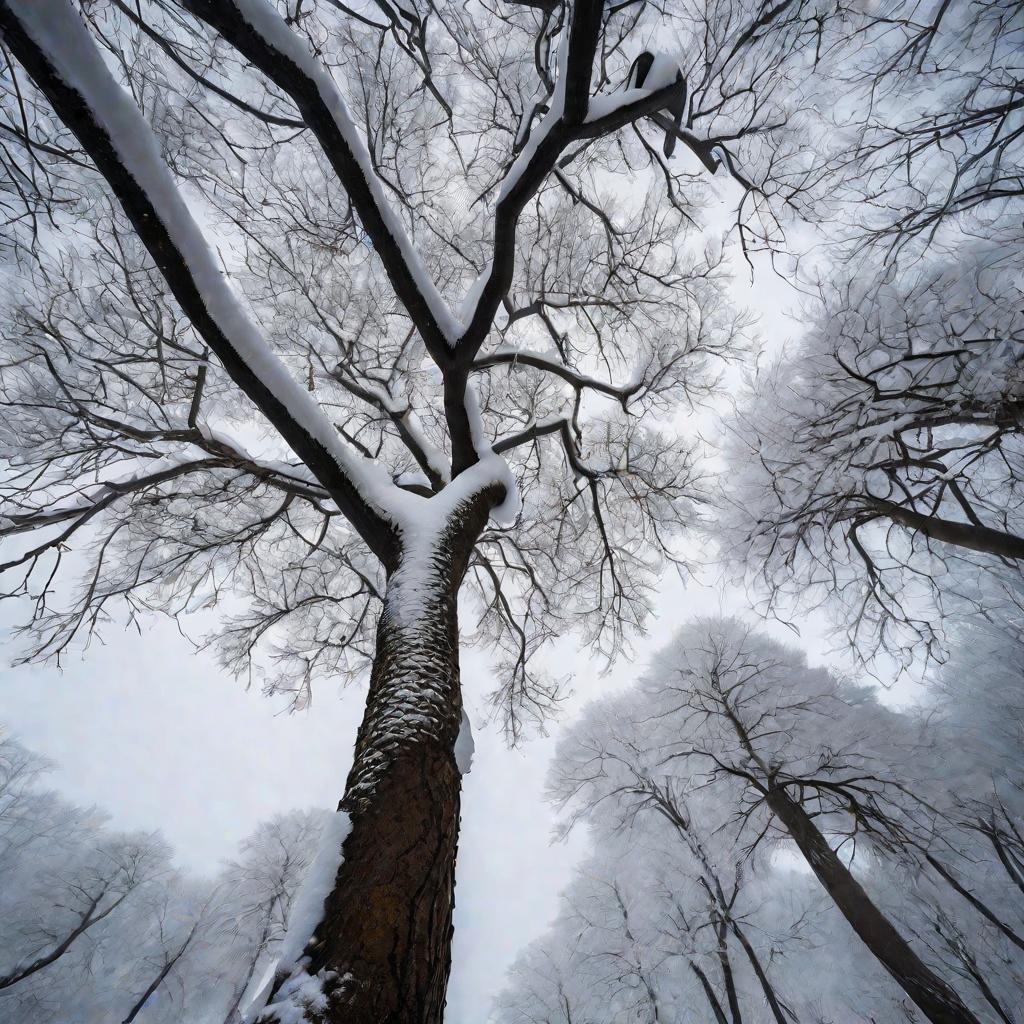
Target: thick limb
x=936 y=999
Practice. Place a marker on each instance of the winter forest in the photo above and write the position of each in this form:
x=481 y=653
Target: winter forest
x=512 y=511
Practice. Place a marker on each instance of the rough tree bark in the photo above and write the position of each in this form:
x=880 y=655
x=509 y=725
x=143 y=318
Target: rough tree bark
x=402 y=796
x=939 y=1003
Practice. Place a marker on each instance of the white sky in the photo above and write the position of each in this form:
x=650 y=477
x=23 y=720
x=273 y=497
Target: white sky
x=162 y=738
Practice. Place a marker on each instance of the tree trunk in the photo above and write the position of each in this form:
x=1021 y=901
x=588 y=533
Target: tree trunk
x=166 y=969
x=383 y=949
x=766 y=986
x=727 y=976
x=939 y=1003
x=709 y=992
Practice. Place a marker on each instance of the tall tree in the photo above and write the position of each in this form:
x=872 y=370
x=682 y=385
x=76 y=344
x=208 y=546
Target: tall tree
x=474 y=330
x=70 y=899
x=880 y=463
x=671 y=914
x=795 y=753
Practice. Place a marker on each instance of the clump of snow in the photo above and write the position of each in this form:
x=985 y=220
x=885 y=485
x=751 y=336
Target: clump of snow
x=464 y=745
x=664 y=71
x=298 y=996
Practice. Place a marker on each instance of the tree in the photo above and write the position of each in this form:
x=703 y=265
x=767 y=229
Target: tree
x=933 y=137
x=882 y=452
x=880 y=462
x=71 y=899
x=71 y=896
x=970 y=868
x=792 y=751
x=97 y=926
x=183 y=919
x=261 y=886
x=639 y=939
x=27 y=815
x=473 y=326
x=672 y=914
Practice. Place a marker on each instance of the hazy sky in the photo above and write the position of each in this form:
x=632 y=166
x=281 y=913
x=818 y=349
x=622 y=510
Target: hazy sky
x=162 y=738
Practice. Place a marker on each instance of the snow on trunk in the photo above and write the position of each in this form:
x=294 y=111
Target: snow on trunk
x=302 y=991
x=464 y=746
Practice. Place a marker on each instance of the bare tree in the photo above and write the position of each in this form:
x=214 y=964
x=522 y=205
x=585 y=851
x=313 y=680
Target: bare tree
x=70 y=899
x=666 y=916
x=184 y=918
x=882 y=453
x=261 y=885
x=96 y=925
x=933 y=144
x=879 y=464
x=474 y=326
x=799 y=754
x=28 y=815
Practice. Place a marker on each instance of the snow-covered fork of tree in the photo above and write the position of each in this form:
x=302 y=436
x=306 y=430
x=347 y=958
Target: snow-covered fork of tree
x=333 y=310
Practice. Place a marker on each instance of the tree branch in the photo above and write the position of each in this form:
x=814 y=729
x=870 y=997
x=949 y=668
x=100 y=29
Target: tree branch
x=51 y=42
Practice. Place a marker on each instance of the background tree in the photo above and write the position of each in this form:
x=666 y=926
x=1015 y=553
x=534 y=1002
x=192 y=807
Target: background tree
x=261 y=886
x=160 y=945
x=879 y=463
x=182 y=920
x=674 y=911
x=797 y=756
x=932 y=133
x=882 y=452
x=473 y=327
x=639 y=938
x=71 y=896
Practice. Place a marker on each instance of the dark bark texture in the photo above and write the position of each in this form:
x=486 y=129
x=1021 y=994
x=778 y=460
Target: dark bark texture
x=385 y=939
x=937 y=1001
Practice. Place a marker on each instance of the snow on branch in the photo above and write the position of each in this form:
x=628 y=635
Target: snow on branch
x=50 y=39
x=261 y=35
x=568 y=119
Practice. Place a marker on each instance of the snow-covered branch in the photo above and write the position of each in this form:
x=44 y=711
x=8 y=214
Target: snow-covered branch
x=51 y=41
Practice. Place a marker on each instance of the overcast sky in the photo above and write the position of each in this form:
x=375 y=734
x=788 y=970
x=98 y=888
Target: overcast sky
x=162 y=738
